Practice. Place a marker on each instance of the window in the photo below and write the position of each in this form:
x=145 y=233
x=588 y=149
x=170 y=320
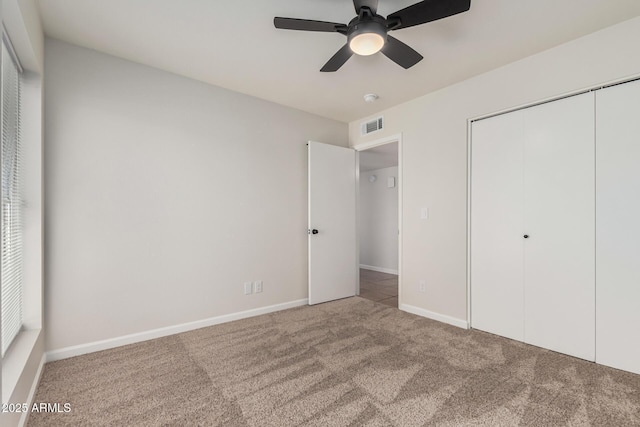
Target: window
x=12 y=200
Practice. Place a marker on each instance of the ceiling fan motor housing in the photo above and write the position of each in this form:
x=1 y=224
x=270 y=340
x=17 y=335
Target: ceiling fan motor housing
x=368 y=25
x=375 y=24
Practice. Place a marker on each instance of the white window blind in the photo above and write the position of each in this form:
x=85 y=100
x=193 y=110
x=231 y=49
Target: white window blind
x=12 y=200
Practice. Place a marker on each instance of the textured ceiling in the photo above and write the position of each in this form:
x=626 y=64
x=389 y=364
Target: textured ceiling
x=233 y=44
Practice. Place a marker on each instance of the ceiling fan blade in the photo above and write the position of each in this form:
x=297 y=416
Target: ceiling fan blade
x=427 y=11
x=338 y=59
x=371 y=4
x=307 y=25
x=400 y=53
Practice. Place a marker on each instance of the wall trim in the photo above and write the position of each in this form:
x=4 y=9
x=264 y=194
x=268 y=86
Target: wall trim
x=378 y=142
x=468 y=213
x=77 y=350
x=379 y=269
x=24 y=418
x=434 y=316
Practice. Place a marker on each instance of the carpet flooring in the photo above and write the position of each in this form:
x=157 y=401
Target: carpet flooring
x=352 y=362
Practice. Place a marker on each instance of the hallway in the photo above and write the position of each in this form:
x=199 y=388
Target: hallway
x=379 y=287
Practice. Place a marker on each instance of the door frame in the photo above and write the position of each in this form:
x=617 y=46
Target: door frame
x=362 y=147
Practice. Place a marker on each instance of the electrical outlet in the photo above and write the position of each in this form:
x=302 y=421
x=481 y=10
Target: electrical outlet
x=422 y=286
x=257 y=286
x=248 y=288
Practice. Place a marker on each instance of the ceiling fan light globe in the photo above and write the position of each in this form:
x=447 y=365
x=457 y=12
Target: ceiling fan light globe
x=366 y=44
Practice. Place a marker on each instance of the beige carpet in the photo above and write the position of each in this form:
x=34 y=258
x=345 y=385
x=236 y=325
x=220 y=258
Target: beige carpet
x=352 y=362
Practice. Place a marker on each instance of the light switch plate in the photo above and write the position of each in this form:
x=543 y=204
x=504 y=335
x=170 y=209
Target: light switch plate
x=424 y=213
x=248 y=288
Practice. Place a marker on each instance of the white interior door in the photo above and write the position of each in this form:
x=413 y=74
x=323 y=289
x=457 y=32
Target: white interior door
x=559 y=189
x=332 y=223
x=618 y=227
x=496 y=225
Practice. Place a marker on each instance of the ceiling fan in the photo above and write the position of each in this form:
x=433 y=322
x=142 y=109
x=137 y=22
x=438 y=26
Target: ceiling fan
x=367 y=32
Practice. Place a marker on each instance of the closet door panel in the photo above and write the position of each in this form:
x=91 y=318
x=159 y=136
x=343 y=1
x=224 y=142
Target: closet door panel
x=618 y=226
x=559 y=267
x=496 y=225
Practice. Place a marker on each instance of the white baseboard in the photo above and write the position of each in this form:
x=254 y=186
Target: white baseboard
x=435 y=316
x=379 y=269
x=77 y=350
x=32 y=392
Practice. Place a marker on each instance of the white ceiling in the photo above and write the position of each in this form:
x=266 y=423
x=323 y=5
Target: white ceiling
x=233 y=44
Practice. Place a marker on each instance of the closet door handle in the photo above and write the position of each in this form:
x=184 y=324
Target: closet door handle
x=526 y=236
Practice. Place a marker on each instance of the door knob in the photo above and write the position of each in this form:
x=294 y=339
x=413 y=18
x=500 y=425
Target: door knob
x=526 y=236
x=314 y=231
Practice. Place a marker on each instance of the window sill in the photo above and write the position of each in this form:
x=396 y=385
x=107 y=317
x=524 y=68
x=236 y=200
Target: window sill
x=16 y=359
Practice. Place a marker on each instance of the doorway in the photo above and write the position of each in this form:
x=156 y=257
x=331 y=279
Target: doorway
x=379 y=221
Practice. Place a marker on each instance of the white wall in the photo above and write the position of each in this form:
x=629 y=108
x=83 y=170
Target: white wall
x=434 y=129
x=164 y=195
x=378 y=220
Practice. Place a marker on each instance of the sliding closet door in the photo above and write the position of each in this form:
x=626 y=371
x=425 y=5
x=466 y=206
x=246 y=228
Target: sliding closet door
x=496 y=225
x=618 y=226
x=559 y=197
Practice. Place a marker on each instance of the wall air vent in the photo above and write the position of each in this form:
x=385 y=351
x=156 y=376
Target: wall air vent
x=371 y=126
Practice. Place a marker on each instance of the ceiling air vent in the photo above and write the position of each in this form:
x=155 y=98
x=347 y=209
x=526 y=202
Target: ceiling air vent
x=371 y=126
